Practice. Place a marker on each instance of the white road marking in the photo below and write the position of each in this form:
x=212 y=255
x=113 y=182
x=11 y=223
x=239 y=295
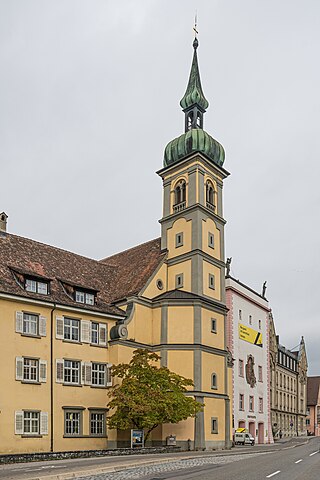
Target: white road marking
x=313 y=454
x=298 y=461
x=272 y=474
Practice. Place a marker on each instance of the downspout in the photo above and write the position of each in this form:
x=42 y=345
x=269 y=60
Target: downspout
x=51 y=381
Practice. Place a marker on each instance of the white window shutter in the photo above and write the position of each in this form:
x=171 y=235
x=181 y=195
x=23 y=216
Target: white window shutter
x=83 y=373
x=85 y=331
x=59 y=328
x=42 y=371
x=108 y=375
x=88 y=373
x=19 y=368
x=44 y=423
x=19 y=322
x=59 y=370
x=102 y=334
x=18 y=423
x=42 y=326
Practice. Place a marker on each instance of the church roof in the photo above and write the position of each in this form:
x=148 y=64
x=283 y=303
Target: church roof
x=194 y=94
x=313 y=385
x=134 y=267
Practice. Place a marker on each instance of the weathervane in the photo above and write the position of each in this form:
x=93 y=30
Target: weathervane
x=195 y=26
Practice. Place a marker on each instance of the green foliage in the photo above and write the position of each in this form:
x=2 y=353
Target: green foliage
x=148 y=396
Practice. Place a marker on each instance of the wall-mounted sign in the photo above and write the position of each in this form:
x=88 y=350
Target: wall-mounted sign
x=250 y=335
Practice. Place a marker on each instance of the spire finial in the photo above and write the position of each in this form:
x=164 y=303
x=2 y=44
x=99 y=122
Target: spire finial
x=195 y=42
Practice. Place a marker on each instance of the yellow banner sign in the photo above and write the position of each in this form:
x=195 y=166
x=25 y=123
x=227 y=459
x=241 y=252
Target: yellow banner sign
x=250 y=335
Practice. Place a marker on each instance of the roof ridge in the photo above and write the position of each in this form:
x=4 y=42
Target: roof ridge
x=56 y=248
x=128 y=250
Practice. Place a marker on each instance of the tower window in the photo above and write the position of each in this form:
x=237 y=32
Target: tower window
x=210 y=195
x=180 y=192
x=179 y=239
x=213 y=325
x=179 y=280
x=212 y=281
x=211 y=240
x=214 y=425
x=214 y=382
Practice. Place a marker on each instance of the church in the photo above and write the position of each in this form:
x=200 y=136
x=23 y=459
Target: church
x=65 y=319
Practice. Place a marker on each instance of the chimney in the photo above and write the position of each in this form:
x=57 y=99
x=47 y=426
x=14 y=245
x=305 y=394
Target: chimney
x=3 y=222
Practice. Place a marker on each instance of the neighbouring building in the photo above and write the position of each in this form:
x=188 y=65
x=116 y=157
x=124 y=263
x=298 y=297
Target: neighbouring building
x=288 y=387
x=248 y=341
x=313 y=406
x=66 y=318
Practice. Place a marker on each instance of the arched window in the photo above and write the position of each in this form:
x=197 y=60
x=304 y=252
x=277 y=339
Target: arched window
x=180 y=196
x=210 y=194
x=190 y=120
x=214 y=381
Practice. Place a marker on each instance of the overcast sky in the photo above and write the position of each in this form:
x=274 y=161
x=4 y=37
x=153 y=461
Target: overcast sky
x=89 y=97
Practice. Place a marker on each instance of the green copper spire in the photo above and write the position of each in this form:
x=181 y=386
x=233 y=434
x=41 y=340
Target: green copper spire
x=194 y=94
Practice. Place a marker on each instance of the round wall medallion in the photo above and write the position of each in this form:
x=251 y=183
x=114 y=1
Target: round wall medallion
x=160 y=284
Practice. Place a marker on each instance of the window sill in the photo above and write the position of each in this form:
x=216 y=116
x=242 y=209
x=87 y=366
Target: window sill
x=98 y=386
x=30 y=382
x=77 y=342
x=30 y=435
x=213 y=331
x=71 y=384
x=85 y=436
x=29 y=335
x=214 y=388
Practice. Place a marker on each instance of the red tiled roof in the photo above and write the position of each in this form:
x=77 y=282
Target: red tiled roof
x=313 y=385
x=114 y=278
x=134 y=267
x=32 y=258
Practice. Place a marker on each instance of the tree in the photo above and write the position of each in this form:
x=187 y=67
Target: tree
x=148 y=396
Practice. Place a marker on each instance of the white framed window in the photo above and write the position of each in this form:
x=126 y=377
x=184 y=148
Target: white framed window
x=71 y=330
x=99 y=372
x=97 y=423
x=214 y=381
x=179 y=239
x=71 y=372
x=82 y=296
x=31 y=324
x=36 y=286
x=241 y=368
x=30 y=422
x=72 y=422
x=94 y=333
x=213 y=325
x=75 y=330
x=31 y=370
x=260 y=379
x=251 y=403
x=212 y=283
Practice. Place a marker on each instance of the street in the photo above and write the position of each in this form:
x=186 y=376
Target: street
x=294 y=459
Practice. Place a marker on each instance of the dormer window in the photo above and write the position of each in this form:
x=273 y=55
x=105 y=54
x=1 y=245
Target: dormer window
x=84 y=297
x=36 y=286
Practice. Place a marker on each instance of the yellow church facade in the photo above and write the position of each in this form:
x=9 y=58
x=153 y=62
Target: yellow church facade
x=65 y=319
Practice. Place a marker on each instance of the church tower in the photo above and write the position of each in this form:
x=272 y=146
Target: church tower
x=192 y=233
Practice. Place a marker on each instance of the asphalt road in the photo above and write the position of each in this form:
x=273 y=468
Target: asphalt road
x=290 y=463
x=267 y=460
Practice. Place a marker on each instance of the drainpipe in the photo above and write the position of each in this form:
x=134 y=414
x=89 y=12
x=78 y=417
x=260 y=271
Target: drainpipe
x=51 y=381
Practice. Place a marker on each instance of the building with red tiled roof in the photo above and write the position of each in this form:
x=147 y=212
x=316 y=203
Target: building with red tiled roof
x=65 y=319
x=313 y=406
